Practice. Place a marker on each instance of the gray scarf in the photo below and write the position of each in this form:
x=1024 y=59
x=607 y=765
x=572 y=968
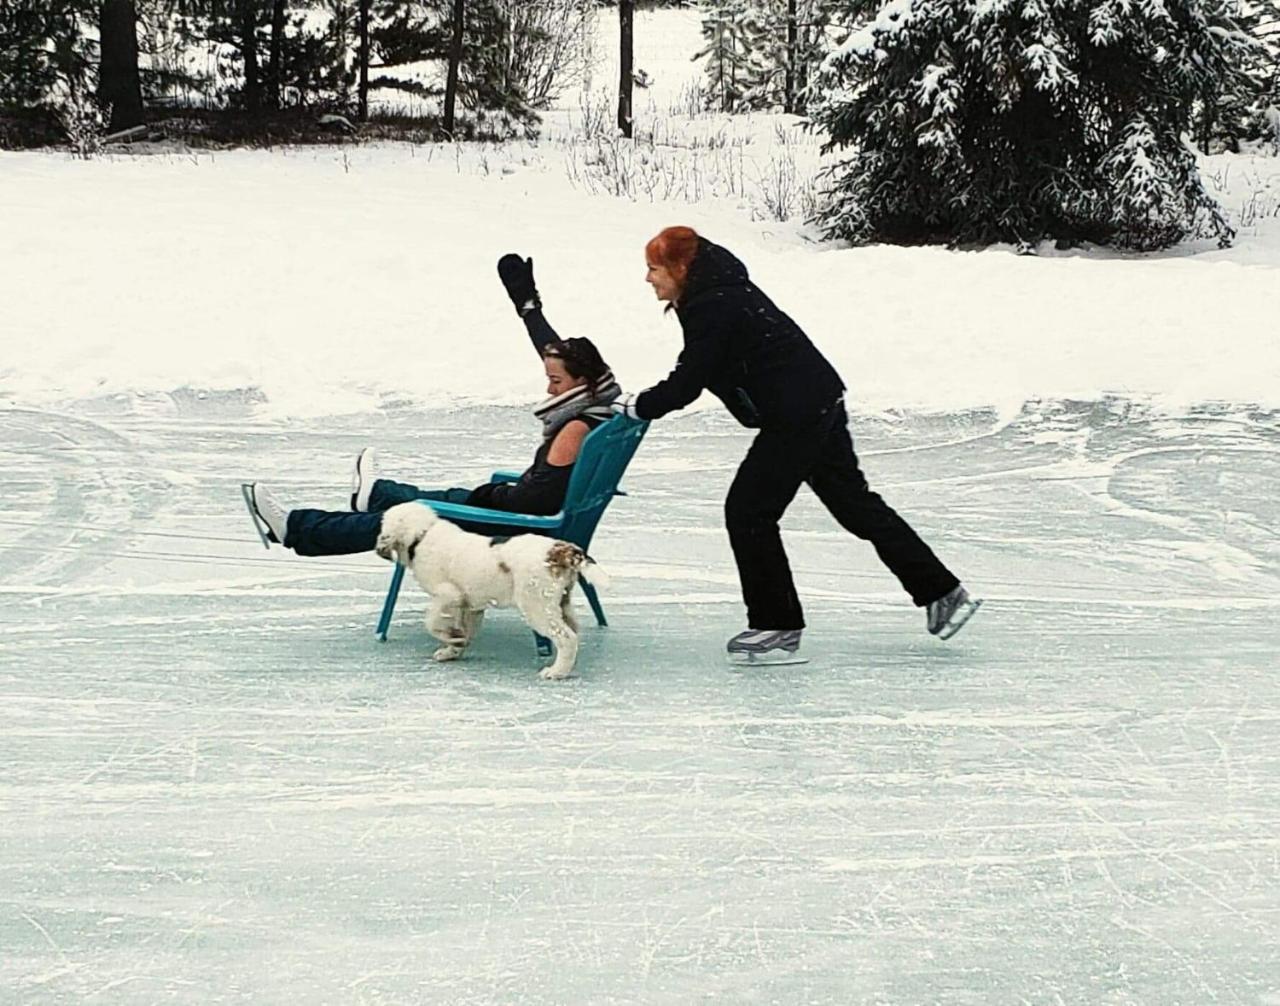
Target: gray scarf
x=590 y=400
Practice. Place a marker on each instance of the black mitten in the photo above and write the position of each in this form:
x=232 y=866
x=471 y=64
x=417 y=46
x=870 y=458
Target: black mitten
x=517 y=276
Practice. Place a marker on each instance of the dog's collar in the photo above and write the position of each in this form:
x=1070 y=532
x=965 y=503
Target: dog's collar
x=413 y=545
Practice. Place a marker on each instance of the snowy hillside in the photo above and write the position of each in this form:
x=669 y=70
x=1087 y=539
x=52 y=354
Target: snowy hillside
x=336 y=278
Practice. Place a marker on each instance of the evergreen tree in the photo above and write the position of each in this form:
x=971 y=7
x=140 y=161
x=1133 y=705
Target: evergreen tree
x=762 y=54
x=815 y=20
x=1017 y=121
x=1240 y=111
x=45 y=53
x=1264 y=119
x=738 y=65
x=509 y=52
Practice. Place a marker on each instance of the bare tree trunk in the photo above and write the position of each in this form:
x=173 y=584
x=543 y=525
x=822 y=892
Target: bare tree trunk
x=793 y=58
x=249 y=35
x=118 y=82
x=802 y=69
x=363 y=91
x=274 y=69
x=626 y=75
x=455 y=61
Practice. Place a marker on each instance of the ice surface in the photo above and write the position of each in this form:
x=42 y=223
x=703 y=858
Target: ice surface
x=215 y=785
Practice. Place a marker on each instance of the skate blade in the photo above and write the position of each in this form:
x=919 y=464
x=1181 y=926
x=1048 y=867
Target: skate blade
x=778 y=658
x=246 y=490
x=960 y=618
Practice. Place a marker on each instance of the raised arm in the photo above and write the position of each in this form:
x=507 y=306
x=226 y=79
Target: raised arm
x=516 y=274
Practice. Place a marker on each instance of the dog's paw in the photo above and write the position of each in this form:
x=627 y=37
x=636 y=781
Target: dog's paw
x=554 y=673
x=447 y=653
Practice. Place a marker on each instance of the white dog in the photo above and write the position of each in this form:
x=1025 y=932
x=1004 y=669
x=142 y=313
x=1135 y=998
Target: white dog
x=465 y=573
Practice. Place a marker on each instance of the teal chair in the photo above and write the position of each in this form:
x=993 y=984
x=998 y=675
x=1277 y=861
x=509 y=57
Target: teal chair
x=604 y=456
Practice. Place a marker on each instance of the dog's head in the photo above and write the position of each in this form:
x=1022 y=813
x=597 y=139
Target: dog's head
x=403 y=528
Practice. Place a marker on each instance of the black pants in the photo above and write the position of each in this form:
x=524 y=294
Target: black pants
x=766 y=483
x=342 y=532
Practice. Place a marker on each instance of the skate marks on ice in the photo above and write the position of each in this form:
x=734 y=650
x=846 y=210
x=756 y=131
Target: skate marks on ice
x=216 y=784
x=72 y=486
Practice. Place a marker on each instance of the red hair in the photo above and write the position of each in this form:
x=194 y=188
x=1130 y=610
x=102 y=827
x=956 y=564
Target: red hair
x=673 y=249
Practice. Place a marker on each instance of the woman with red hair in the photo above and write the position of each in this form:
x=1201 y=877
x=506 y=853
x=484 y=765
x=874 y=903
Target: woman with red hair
x=744 y=350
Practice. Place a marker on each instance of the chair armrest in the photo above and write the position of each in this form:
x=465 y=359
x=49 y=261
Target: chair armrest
x=483 y=515
x=505 y=476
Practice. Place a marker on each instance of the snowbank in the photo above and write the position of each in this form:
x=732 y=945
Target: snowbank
x=335 y=279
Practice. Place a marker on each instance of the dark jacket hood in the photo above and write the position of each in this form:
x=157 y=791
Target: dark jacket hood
x=740 y=346
x=712 y=266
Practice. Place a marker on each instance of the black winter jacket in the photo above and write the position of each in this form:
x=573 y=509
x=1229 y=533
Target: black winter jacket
x=744 y=350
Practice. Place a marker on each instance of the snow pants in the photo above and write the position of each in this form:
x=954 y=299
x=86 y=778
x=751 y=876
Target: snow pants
x=766 y=483
x=342 y=532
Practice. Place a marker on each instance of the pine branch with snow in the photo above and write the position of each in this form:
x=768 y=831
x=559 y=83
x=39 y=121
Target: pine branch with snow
x=1001 y=121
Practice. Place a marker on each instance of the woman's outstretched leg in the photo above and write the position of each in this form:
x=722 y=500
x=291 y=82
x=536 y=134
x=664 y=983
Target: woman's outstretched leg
x=328 y=532
x=839 y=483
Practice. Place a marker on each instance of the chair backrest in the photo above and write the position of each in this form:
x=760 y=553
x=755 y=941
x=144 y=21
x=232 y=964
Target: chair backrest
x=604 y=456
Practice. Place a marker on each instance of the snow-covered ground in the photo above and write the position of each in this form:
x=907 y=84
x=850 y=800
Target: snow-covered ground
x=318 y=275
x=215 y=785
x=340 y=279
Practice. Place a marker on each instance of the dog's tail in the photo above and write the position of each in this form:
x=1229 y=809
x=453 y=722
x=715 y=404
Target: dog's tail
x=593 y=573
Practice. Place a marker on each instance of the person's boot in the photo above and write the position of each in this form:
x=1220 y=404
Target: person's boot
x=766 y=646
x=516 y=274
x=946 y=616
x=270 y=518
x=363 y=477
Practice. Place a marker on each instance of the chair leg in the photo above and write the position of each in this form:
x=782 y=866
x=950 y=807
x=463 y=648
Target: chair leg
x=594 y=601
x=542 y=644
x=389 y=605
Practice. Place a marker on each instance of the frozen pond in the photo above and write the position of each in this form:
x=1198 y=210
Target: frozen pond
x=215 y=785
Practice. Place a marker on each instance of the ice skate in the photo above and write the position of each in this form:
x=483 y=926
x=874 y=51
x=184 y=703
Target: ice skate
x=759 y=647
x=270 y=518
x=948 y=614
x=362 y=479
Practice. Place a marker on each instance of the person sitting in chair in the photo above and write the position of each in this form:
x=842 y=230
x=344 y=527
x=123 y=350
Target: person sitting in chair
x=580 y=387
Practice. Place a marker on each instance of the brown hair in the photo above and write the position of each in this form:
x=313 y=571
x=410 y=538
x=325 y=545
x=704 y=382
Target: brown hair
x=580 y=358
x=674 y=249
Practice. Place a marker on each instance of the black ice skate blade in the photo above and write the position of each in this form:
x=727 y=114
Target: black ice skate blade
x=778 y=658
x=246 y=490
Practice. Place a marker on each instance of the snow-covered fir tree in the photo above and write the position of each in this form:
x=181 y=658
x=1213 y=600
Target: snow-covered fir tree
x=750 y=45
x=1265 y=118
x=1018 y=120
x=814 y=22
x=1245 y=107
x=739 y=71
x=46 y=54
